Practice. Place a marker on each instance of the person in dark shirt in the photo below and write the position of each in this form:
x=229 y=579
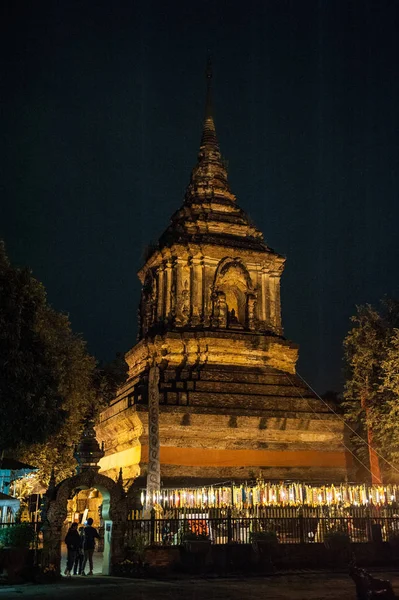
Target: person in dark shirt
x=77 y=567
x=72 y=540
x=90 y=534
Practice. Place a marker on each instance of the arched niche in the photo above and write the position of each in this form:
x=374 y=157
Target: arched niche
x=114 y=514
x=232 y=285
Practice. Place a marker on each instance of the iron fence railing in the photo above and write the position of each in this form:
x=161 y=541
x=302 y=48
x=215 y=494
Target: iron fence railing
x=273 y=512
x=289 y=530
x=227 y=529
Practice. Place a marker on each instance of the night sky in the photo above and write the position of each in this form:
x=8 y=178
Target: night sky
x=102 y=107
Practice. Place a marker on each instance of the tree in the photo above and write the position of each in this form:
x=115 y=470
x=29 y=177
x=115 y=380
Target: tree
x=31 y=401
x=81 y=403
x=49 y=383
x=371 y=352
x=388 y=428
x=332 y=397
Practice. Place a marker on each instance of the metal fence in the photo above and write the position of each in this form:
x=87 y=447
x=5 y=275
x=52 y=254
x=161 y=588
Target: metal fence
x=289 y=530
x=273 y=512
x=228 y=528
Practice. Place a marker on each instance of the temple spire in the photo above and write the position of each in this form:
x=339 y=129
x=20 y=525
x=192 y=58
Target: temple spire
x=88 y=452
x=209 y=75
x=209 y=176
x=209 y=139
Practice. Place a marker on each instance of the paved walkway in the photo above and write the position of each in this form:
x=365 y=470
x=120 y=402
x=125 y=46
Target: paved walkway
x=97 y=561
x=304 y=586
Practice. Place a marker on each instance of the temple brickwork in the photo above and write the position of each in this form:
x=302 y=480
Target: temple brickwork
x=230 y=403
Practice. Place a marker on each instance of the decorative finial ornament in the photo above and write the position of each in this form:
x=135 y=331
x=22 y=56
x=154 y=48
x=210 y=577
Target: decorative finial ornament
x=209 y=64
x=209 y=143
x=119 y=481
x=209 y=175
x=88 y=452
x=209 y=76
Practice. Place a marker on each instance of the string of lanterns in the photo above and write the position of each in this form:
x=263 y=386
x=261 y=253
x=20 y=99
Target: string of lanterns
x=275 y=494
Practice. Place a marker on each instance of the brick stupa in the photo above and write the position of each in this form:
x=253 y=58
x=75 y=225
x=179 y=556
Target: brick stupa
x=212 y=393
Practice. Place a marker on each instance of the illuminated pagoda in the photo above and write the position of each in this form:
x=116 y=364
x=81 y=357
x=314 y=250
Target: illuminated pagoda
x=212 y=393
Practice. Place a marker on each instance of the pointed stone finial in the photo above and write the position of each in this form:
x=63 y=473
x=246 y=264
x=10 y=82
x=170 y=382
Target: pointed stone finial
x=209 y=140
x=119 y=480
x=210 y=173
x=209 y=75
x=88 y=452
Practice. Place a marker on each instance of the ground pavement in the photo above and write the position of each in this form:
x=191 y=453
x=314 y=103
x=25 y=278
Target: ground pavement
x=97 y=561
x=299 y=586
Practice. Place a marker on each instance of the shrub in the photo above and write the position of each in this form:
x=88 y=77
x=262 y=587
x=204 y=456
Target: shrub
x=137 y=545
x=394 y=541
x=192 y=536
x=268 y=536
x=21 y=535
x=192 y=532
x=337 y=538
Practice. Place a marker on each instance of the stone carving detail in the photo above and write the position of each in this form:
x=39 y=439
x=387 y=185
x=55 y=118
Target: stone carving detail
x=168 y=289
x=232 y=320
x=215 y=310
x=149 y=312
x=173 y=300
x=235 y=264
x=185 y=303
x=232 y=317
x=147 y=305
x=222 y=309
x=154 y=468
x=251 y=311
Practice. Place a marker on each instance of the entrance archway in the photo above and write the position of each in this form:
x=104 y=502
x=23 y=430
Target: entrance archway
x=81 y=505
x=113 y=514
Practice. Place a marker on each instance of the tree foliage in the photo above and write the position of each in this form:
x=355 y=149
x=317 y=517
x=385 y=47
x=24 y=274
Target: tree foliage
x=371 y=351
x=49 y=384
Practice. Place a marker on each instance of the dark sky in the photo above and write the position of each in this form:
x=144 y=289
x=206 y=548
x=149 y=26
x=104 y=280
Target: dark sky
x=102 y=106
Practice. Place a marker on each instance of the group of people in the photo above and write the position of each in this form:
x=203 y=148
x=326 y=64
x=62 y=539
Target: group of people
x=80 y=544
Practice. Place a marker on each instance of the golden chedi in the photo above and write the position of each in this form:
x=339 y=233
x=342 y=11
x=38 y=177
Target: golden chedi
x=212 y=393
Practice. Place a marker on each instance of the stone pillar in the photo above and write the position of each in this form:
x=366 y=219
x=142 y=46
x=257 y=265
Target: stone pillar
x=154 y=467
x=272 y=301
x=251 y=311
x=182 y=292
x=277 y=303
x=197 y=291
x=265 y=298
x=160 y=293
x=168 y=289
x=173 y=291
x=220 y=310
x=207 y=305
x=117 y=546
x=51 y=552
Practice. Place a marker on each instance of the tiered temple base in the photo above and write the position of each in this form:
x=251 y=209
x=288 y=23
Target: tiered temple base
x=225 y=422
